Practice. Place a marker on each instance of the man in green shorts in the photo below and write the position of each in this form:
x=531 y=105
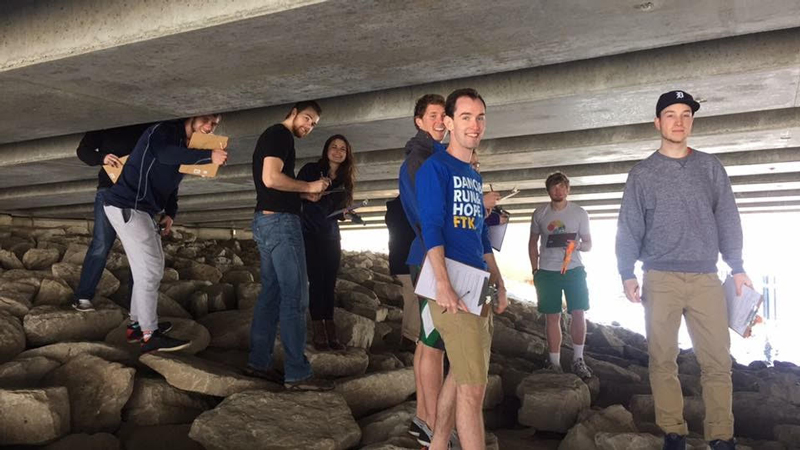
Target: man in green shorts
x=558 y=223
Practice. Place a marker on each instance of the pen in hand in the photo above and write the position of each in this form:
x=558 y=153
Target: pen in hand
x=459 y=298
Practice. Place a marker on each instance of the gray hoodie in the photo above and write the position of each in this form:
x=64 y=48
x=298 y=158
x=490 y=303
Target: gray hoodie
x=678 y=215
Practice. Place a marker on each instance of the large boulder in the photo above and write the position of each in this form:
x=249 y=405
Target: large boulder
x=40 y=258
x=167 y=307
x=614 y=419
x=247 y=295
x=156 y=402
x=83 y=441
x=98 y=391
x=307 y=420
x=355 y=274
x=785 y=386
x=12 y=337
x=237 y=277
x=643 y=409
x=348 y=363
x=387 y=424
x=389 y=293
x=199 y=271
x=627 y=441
x=8 y=260
x=603 y=340
x=71 y=273
x=75 y=253
x=48 y=324
x=788 y=435
x=756 y=415
x=16 y=298
x=26 y=373
x=33 y=416
x=353 y=330
x=494 y=392
x=377 y=391
x=511 y=342
x=64 y=351
x=229 y=329
x=181 y=291
x=53 y=292
x=221 y=297
x=363 y=305
x=552 y=401
x=194 y=374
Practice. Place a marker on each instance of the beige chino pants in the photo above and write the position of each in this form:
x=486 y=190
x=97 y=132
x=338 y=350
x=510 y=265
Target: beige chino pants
x=699 y=297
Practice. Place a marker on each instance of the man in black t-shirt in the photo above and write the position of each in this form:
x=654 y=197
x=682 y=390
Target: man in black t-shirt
x=278 y=232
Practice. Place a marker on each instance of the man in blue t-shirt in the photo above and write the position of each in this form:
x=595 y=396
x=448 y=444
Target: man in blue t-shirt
x=451 y=211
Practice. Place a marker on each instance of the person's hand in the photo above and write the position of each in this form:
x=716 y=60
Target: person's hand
x=319 y=186
x=740 y=279
x=631 y=288
x=311 y=197
x=166 y=221
x=112 y=160
x=219 y=157
x=503 y=219
x=502 y=299
x=490 y=199
x=447 y=298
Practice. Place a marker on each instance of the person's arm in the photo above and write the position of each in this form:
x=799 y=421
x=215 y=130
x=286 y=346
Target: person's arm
x=533 y=244
x=274 y=178
x=496 y=278
x=630 y=232
x=585 y=243
x=167 y=153
x=171 y=208
x=89 y=149
x=729 y=228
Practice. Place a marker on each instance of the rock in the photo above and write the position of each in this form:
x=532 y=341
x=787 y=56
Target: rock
x=643 y=409
x=64 y=351
x=53 y=292
x=71 y=273
x=383 y=361
x=363 y=305
x=609 y=372
x=198 y=304
x=352 y=329
x=785 y=386
x=48 y=324
x=202 y=272
x=8 y=260
x=789 y=435
x=384 y=425
x=344 y=286
x=180 y=291
x=185 y=329
x=26 y=373
x=247 y=295
x=614 y=419
x=348 y=363
x=155 y=402
x=236 y=359
x=159 y=437
x=307 y=420
x=354 y=274
x=83 y=441
x=205 y=377
x=75 y=254
x=40 y=258
x=221 y=297
x=511 y=342
x=390 y=293
x=169 y=307
x=551 y=401
x=12 y=337
x=98 y=391
x=170 y=274
x=32 y=277
x=33 y=416
x=615 y=393
x=237 y=277
x=494 y=392
x=756 y=415
x=394 y=314
x=627 y=441
x=16 y=298
x=229 y=329
x=373 y=392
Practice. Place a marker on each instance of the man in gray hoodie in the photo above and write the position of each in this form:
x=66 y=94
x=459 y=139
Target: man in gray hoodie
x=678 y=215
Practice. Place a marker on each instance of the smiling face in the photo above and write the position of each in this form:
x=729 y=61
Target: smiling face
x=432 y=121
x=205 y=124
x=337 y=151
x=304 y=122
x=675 y=123
x=467 y=124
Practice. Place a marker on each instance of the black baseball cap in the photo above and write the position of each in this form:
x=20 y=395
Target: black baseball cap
x=673 y=97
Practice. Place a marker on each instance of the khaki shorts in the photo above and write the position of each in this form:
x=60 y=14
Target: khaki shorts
x=468 y=339
x=411 y=319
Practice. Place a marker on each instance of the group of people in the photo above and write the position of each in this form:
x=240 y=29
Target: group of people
x=678 y=214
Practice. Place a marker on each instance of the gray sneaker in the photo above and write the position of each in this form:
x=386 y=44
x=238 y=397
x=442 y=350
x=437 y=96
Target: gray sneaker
x=580 y=369
x=83 y=305
x=454 y=443
x=553 y=368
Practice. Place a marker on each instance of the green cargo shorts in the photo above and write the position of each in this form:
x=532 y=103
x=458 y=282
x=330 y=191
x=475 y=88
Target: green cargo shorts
x=428 y=334
x=550 y=284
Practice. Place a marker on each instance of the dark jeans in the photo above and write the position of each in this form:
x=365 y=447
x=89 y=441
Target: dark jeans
x=283 y=297
x=95 y=261
x=323 y=255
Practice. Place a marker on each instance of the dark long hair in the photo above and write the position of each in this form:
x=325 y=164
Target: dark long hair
x=347 y=169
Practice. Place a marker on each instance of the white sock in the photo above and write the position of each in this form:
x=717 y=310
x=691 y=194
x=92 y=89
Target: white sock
x=578 y=352
x=555 y=359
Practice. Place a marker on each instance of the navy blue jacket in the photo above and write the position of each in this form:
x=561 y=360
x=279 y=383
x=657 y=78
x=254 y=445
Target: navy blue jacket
x=314 y=215
x=150 y=178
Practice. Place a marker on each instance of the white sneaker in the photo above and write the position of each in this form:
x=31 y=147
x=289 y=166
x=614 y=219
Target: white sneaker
x=83 y=305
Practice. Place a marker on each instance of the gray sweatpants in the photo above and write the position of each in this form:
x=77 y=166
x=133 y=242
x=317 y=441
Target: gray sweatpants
x=142 y=243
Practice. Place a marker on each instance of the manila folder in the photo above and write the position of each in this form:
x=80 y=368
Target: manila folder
x=114 y=172
x=203 y=141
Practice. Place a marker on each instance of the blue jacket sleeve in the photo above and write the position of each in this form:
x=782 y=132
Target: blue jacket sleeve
x=167 y=153
x=171 y=209
x=431 y=186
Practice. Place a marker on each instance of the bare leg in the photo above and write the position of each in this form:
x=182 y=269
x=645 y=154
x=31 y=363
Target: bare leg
x=554 y=332
x=445 y=414
x=469 y=416
x=421 y=412
x=431 y=373
x=578 y=327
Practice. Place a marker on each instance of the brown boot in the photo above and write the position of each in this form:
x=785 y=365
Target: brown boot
x=333 y=340
x=320 y=341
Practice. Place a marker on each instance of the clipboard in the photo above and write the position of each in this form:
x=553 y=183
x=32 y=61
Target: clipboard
x=114 y=172
x=202 y=141
x=471 y=285
x=742 y=310
x=497 y=234
x=514 y=191
x=334 y=190
x=352 y=208
x=559 y=240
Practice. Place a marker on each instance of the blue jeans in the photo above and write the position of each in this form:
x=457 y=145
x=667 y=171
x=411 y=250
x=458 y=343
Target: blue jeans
x=283 y=297
x=95 y=261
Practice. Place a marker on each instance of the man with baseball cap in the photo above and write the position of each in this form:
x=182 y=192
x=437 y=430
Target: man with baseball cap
x=678 y=215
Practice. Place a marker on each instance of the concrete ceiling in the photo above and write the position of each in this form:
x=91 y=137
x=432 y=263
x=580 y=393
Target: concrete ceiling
x=570 y=85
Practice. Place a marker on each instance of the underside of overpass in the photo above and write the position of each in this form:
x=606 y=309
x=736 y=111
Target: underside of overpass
x=570 y=86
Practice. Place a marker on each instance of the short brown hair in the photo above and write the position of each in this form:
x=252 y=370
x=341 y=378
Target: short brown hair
x=450 y=103
x=422 y=105
x=304 y=105
x=554 y=179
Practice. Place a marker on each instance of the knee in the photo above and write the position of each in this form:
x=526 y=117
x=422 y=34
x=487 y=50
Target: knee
x=471 y=395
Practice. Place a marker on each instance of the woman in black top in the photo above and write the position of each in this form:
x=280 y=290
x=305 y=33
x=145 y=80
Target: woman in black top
x=321 y=234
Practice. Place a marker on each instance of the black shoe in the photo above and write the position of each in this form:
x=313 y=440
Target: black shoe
x=82 y=305
x=134 y=332
x=719 y=444
x=269 y=374
x=161 y=343
x=309 y=384
x=674 y=441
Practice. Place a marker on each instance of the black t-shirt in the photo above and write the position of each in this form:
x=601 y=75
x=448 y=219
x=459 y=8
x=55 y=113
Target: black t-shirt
x=400 y=236
x=276 y=141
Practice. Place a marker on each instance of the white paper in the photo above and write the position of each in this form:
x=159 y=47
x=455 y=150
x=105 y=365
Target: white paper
x=497 y=234
x=352 y=208
x=742 y=309
x=513 y=192
x=467 y=281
